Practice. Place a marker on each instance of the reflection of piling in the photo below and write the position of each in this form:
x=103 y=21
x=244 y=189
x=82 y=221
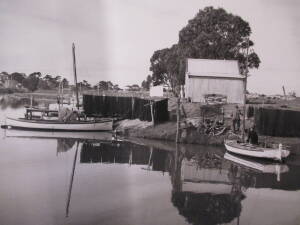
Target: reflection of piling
x=178 y=119
x=176 y=177
x=71 y=182
x=150 y=158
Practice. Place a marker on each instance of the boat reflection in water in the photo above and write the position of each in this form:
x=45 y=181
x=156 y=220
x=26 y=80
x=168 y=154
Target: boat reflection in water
x=206 y=188
x=204 y=185
x=258 y=164
x=65 y=140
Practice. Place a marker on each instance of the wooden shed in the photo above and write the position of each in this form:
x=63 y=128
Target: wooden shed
x=207 y=77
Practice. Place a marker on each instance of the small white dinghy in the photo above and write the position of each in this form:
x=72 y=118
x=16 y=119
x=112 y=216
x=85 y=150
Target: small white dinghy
x=256 y=151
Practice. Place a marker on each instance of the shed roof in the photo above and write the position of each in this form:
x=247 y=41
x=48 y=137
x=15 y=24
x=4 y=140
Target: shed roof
x=213 y=68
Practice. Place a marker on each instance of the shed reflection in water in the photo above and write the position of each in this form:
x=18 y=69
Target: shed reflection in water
x=203 y=186
x=126 y=183
x=206 y=188
x=203 y=192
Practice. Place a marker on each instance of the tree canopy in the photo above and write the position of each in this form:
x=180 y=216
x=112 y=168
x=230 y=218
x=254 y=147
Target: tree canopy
x=211 y=34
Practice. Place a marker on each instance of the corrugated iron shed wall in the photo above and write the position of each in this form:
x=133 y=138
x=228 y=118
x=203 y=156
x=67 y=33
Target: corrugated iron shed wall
x=197 y=87
x=207 y=76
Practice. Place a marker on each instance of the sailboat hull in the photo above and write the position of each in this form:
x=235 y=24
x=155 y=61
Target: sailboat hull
x=55 y=125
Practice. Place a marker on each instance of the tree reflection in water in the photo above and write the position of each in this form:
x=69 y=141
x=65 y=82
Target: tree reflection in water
x=14 y=102
x=206 y=188
x=206 y=207
x=196 y=206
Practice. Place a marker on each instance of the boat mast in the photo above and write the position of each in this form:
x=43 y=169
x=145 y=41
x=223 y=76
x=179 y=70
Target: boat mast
x=75 y=75
x=245 y=91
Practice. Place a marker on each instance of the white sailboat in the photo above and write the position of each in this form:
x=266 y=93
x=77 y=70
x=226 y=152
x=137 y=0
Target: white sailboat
x=31 y=122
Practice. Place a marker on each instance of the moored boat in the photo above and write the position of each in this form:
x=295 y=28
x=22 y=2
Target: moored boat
x=56 y=125
x=256 y=150
x=60 y=119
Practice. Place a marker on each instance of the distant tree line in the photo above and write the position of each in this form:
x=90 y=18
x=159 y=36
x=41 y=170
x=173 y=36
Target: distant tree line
x=36 y=81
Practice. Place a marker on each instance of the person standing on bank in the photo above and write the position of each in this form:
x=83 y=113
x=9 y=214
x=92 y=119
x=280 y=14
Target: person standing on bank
x=252 y=136
x=236 y=119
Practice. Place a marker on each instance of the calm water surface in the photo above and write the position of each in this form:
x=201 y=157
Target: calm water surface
x=50 y=178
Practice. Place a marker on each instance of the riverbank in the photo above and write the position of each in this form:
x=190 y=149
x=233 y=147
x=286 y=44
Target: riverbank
x=167 y=132
x=191 y=132
x=135 y=129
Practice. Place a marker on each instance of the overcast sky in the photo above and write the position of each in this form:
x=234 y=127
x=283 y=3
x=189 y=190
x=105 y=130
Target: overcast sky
x=116 y=38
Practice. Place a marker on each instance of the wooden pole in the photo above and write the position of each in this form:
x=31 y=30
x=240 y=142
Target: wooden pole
x=75 y=75
x=178 y=119
x=245 y=92
x=62 y=92
x=132 y=106
x=31 y=101
x=284 y=92
x=152 y=113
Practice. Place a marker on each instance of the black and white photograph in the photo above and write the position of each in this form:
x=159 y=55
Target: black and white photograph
x=148 y=112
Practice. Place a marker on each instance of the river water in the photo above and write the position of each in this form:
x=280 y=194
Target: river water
x=85 y=178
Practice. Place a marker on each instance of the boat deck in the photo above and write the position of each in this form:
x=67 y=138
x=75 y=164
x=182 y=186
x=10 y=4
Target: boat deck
x=247 y=146
x=44 y=121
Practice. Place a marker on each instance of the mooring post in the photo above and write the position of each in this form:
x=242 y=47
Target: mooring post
x=132 y=106
x=178 y=119
x=279 y=156
x=152 y=114
x=31 y=101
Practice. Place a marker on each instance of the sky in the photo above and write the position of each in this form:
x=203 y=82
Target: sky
x=115 y=39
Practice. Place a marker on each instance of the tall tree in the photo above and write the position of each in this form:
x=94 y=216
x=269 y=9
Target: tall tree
x=159 y=66
x=211 y=34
